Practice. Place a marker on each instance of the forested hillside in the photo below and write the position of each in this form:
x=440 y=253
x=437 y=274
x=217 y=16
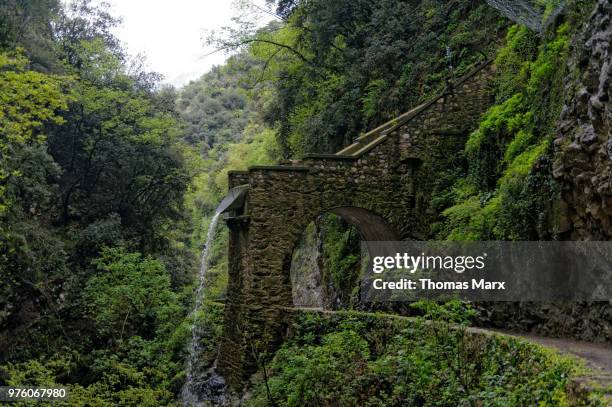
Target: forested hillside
x=94 y=234
x=109 y=180
x=106 y=181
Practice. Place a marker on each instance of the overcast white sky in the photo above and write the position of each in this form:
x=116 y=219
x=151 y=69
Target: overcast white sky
x=170 y=33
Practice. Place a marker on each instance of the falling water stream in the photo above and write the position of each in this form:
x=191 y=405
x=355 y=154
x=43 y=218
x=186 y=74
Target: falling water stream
x=203 y=385
x=198 y=383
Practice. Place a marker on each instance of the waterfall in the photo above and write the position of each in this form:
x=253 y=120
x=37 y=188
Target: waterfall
x=204 y=388
x=206 y=382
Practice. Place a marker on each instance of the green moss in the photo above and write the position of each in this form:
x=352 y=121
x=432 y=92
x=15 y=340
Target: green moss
x=522 y=165
x=511 y=138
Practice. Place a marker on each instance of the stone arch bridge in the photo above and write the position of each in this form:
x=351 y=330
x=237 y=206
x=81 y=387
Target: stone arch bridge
x=382 y=184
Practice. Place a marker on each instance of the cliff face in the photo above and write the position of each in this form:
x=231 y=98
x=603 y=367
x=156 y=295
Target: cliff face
x=321 y=276
x=583 y=148
x=582 y=167
x=306 y=275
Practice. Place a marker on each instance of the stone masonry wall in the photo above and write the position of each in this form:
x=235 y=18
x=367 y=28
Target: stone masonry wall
x=384 y=192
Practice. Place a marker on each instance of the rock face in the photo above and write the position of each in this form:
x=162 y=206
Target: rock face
x=583 y=148
x=587 y=321
x=583 y=168
x=306 y=275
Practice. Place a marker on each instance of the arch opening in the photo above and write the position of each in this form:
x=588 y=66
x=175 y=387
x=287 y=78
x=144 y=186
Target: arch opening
x=325 y=268
x=371 y=226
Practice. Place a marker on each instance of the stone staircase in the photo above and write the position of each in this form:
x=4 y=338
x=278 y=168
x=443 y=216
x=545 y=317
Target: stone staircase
x=372 y=138
x=367 y=141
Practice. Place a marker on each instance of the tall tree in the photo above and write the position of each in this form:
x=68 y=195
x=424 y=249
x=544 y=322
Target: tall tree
x=343 y=67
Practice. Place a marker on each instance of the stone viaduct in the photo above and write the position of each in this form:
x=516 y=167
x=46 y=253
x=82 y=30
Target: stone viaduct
x=382 y=184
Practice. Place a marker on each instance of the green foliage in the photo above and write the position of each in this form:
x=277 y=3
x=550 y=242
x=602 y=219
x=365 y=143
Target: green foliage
x=365 y=359
x=489 y=146
x=223 y=111
x=28 y=100
x=454 y=311
x=140 y=357
x=92 y=167
x=221 y=104
x=258 y=147
x=521 y=45
x=503 y=197
x=370 y=101
x=31 y=260
x=339 y=68
x=129 y=295
x=118 y=151
x=120 y=385
x=341 y=265
x=27 y=24
x=335 y=362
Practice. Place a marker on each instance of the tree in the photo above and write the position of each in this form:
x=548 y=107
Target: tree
x=28 y=24
x=129 y=295
x=88 y=159
x=28 y=100
x=116 y=150
x=343 y=67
